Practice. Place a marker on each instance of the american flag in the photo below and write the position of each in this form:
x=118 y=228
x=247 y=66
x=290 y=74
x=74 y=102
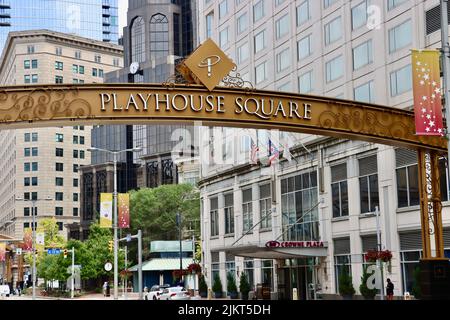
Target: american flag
x=274 y=153
x=254 y=153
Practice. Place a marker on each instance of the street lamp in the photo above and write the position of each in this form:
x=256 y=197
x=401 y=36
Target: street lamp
x=33 y=228
x=115 y=154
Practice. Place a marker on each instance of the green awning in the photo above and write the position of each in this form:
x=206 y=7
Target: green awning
x=160 y=264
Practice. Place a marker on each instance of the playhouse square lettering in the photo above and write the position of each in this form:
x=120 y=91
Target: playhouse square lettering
x=261 y=107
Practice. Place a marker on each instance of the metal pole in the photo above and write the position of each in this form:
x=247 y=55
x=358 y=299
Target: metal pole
x=446 y=70
x=34 y=248
x=140 y=264
x=126 y=270
x=181 y=247
x=73 y=272
x=116 y=278
x=379 y=264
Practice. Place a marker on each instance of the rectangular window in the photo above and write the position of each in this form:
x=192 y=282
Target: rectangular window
x=260 y=41
x=75 y=139
x=81 y=154
x=34 y=181
x=59 y=196
x=81 y=69
x=400 y=36
x=27 y=78
x=75 y=197
x=282 y=26
x=97 y=58
x=229 y=214
x=59 y=211
x=209 y=24
x=214 y=216
x=339 y=192
x=59 y=65
x=407 y=178
x=258 y=11
x=75 y=68
x=34 y=196
x=59 y=152
x=359 y=15
x=327 y=3
x=81 y=138
x=59 y=182
x=26 y=211
x=242 y=53
x=368 y=184
x=247 y=210
x=59 y=166
x=260 y=72
x=394 y=3
x=94 y=72
x=100 y=73
x=401 y=80
x=305 y=82
x=334 y=69
x=26 y=166
x=34 y=78
x=283 y=60
x=34 y=136
x=59 y=137
x=26 y=182
x=26 y=152
x=362 y=55
x=242 y=23
x=75 y=212
x=75 y=168
x=75 y=182
x=34 y=166
x=304 y=47
x=30 y=49
x=223 y=38
x=58 y=51
x=77 y=54
x=34 y=151
x=267 y=273
x=364 y=92
x=223 y=9
x=75 y=154
x=59 y=79
x=26 y=64
x=34 y=64
x=26 y=137
x=60 y=226
x=265 y=206
x=303 y=13
x=333 y=31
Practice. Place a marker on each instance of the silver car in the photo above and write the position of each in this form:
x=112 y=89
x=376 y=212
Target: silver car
x=174 y=293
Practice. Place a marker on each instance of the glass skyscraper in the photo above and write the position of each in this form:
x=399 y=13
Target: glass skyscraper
x=95 y=19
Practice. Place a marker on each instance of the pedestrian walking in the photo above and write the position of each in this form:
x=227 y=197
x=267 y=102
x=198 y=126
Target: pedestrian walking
x=105 y=285
x=390 y=289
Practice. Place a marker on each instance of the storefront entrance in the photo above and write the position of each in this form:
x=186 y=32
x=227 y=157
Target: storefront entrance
x=299 y=274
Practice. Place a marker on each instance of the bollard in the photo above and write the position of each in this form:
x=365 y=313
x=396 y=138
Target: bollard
x=209 y=294
x=294 y=294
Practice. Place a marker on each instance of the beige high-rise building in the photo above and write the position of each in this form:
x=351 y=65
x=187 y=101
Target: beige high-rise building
x=42 y=163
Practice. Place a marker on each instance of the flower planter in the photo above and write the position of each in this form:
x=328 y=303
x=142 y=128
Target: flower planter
x=203 y=294
x=233 y=295
x=217 y=295
x=244 y=296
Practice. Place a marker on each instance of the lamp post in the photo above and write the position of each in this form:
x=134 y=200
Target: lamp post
x=115 y=154
x=33 y=228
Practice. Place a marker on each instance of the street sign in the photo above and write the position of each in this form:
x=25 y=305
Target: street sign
x=53 y=251
x=108 y=266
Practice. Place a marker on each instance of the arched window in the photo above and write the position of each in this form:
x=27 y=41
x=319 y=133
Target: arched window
x=138 y=40
x=159 y=35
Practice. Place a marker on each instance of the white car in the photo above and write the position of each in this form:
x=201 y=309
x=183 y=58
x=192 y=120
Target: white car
x=155 y=292
x=174 y=293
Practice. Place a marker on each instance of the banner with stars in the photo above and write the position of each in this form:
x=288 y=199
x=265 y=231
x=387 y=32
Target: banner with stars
x=427 y=92
x=124 y=210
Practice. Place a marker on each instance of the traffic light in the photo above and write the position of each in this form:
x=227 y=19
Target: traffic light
x=65 y=253
x=111 y=245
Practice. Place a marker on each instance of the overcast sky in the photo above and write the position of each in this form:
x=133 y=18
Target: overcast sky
x=123 y=6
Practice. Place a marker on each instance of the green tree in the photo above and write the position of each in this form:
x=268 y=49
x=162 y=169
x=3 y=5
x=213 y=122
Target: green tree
x=364 y=289
x=154 y=212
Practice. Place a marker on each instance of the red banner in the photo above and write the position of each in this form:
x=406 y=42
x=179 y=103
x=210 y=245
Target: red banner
x=124 y=210
x=2 y=251
x=28 y=240
x=427 y=92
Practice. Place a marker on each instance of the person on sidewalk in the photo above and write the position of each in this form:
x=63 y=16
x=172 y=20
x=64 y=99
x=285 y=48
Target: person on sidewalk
x=390 y=289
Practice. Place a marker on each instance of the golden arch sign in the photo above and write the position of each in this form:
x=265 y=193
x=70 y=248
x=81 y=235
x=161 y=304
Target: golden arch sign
x=54 y=105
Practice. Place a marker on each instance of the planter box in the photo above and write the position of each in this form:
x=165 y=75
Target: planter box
x=217 y=295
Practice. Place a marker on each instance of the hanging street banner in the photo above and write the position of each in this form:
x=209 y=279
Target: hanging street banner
x=427 y=92
x=28 y=239
x=40 y=240
x=124 y=210
x=106 y=210
x=2 y=251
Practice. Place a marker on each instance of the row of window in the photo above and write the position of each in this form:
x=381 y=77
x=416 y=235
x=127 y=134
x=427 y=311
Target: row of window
x=27 y=225
x=59 y=182
x=33 y=166
x=30 y=78
x=59 y=152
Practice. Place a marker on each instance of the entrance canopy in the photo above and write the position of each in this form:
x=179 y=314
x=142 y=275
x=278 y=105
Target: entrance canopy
x=58 y=105
x=264 y=252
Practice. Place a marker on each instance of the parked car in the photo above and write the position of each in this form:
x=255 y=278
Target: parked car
x=175 y=293
x=155 y=292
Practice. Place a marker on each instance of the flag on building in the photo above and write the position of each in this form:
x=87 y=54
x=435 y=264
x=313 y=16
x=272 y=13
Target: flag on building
x=427 y=92
x=274 y=153
x=2 y=251
x=124 y=210
x=286 y=153
x=254 y=149
x=28 y=239
x=106 y=210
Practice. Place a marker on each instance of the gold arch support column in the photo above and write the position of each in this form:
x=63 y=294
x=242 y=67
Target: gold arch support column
x=437 y=205
x=424 y=208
